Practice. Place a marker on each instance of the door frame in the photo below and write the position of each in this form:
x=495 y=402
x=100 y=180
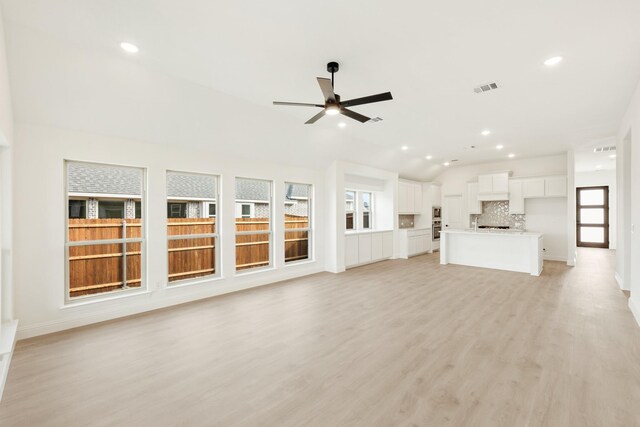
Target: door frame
x=606 y=223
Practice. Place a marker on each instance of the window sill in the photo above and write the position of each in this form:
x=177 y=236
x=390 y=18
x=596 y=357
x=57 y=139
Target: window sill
x=300 y=262
x=192 y=282
x=97 y=300
x=256 y=270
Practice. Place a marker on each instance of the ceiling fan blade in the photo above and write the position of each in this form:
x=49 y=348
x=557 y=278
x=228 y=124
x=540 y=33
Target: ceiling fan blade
x=315 y=118
x=356 y=116
x=327 y=89
x=367 y=99
x=297 y=104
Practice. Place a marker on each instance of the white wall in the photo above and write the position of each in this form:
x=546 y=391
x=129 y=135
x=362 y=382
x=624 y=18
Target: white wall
x=601 y=178
x=40 y=228
x=547 y=216
x=628 y=163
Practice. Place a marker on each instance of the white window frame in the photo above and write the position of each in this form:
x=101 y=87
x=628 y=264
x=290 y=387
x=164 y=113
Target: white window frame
x=362 y=210
x=216 y=236
x=68 y=300
x=205 y=209
x=249 y=233
x=309 y=229
x=102 y=199
x=354 y=211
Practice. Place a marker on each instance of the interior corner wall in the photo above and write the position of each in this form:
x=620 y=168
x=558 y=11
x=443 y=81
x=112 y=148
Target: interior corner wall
x=39 y=250
x=6 y=201
x=623 y=186
x=571 y=212
x=629 y=236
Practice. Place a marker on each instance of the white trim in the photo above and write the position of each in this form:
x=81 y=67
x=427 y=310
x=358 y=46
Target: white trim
x=189 y=199
x=7 y=345
x=635 y=309
x=106 y=195
x=620 y=282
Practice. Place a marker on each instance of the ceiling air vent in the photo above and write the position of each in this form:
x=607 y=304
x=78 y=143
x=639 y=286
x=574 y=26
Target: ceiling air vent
x=604 y=149
x=375 y=119
x=485 y=87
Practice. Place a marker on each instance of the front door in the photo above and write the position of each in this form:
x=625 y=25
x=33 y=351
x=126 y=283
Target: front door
x=592 y=217
x=452 y=213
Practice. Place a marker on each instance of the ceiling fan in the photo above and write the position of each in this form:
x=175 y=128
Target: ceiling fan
x=332 y=103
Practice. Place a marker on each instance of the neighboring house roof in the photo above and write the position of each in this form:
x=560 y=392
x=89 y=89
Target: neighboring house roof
x=191 y=185
x=298 y=191
x=252 y=189
x=89 y=178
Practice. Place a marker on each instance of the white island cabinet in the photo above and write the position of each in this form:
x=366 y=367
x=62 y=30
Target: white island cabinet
x=502 y=250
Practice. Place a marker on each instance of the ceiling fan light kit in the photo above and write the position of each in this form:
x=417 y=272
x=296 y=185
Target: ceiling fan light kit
x=333 y=105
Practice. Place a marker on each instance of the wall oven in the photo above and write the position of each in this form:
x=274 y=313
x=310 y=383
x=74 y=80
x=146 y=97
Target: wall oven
x=437 y=212
x=436 y=228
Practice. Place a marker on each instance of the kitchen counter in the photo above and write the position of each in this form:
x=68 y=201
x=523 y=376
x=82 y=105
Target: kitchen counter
x=499 y=249
x=351 y=232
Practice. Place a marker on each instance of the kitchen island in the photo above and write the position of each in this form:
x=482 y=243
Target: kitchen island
x=503 y=250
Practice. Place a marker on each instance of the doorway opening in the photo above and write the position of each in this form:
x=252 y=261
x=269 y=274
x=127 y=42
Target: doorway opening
x=592 y=217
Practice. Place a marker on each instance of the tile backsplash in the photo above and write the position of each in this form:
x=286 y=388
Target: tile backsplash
x=497 y=213
x=406 y=221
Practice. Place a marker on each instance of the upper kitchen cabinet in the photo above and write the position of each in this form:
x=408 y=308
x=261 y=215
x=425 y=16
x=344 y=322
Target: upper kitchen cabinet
x=516 y=196
x=493 y=186
x=409 y=197
x=474 y=205
x=555 y=186
x=548 y=186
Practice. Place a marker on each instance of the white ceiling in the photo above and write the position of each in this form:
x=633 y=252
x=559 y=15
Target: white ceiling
x=201 y=61
x=586 y=160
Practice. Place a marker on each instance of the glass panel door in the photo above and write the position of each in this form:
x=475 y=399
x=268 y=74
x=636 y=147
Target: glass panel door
x=592 y=214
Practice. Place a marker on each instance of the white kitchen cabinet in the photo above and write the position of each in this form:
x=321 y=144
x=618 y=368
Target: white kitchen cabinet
x=414 y=242
x=417 y=200
x=436 y=195
x=485 y=184
x=474 y=205
x=516 y=197
x=493 y=186
x=351 y=250
x=555 y=186
x=364 y=248
x=533 y=187
x=377 y=250
x=545 y=186
x=409 y=197
x=387 y=244
x=403 y=196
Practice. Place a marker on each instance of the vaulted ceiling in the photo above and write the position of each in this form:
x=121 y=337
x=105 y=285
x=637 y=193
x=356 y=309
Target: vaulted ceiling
x=207 y=72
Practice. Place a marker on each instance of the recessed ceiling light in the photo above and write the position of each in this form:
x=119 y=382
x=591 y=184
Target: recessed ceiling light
x=429 y=157
x=499 y=147
x=129 y=47
x=511 y=155
x=446 y=163
x=342 y=124
x=598 y=167
x=553 y=61
x=612 y=156
x=486 y=132
x=404 y=148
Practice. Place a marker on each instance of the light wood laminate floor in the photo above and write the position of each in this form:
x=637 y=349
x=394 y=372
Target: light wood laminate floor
x=394 y=343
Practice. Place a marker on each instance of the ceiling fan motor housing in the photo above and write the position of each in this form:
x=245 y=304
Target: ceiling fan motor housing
x=333 y=67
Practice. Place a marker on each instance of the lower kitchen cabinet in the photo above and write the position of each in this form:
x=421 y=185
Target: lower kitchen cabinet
x=414 y=242
x=364 y=248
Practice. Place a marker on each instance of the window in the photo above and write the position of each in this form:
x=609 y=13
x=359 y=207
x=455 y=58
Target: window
x=104 y=247
x=193 y=247
x=111 y=209
x=253 y=224
x=77 y=208
x=211 y=209
x=176 y=210
x=297 y=216
x=366 y=210
x=138 y=210
x=350 y=200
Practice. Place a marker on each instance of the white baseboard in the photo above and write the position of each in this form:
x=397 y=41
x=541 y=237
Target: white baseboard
x=619 y=281
x=554 y=258
x=635 y=309
x=150 y=302
x=7 y=345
